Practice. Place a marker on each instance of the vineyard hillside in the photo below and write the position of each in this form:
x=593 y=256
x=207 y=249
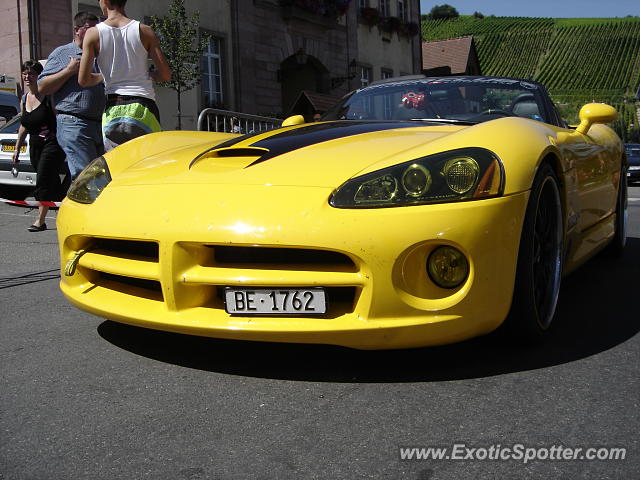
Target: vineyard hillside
x=578 y=59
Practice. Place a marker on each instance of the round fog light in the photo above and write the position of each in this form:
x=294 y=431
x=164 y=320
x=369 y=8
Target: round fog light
x=447 y=267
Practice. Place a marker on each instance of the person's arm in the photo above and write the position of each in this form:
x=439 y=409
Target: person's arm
x=162 y=73
x=90 y=49
x=53 y=82
x=22 y=132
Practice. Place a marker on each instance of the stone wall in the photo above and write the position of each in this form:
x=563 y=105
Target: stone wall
x=272 y=34
x=52 y=29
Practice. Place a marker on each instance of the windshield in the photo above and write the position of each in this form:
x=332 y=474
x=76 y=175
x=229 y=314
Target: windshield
x=453 y=99
x=11 y=126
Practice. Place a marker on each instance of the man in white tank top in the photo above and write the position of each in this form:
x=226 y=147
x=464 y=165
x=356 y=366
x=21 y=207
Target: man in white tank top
x=121 y=47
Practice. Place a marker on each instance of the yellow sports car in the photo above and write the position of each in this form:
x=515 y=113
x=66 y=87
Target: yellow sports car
x=418 y=211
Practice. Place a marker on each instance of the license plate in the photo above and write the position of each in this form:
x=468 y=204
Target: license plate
x=280 y=301
x=12 y=148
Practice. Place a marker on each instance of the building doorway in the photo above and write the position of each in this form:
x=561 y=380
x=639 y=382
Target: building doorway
x=301 y=72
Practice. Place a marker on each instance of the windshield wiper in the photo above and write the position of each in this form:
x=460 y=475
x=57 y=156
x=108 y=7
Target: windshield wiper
x=444 y=120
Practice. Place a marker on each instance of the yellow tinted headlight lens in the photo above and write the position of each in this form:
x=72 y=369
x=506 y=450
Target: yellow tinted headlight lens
x=91 y=181
x=458 y=175
x=447 y=267
x=381 y=189
x=416 y=180
x=461 y=174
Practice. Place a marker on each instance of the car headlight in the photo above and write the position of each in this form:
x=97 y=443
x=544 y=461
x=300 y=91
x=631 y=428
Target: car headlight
x=91 y=181
x=465 y=174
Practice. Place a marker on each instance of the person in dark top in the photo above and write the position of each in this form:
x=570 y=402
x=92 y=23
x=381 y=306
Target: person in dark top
x=39 y=121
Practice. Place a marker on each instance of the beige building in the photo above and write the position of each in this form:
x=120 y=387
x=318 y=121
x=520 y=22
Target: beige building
x=31 y=29
x=263 y=53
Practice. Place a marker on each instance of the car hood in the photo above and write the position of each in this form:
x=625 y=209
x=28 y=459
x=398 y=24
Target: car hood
x=315 y=155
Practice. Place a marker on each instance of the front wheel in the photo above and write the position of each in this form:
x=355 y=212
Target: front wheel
x=539 y=269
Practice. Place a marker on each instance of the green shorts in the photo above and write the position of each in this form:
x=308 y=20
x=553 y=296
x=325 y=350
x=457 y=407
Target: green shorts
x=128 y=117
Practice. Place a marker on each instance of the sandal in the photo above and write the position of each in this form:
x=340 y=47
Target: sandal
x=36 y=228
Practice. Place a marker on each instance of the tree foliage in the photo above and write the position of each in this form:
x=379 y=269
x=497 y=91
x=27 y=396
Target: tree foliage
x=183 y=44
x=445 y=11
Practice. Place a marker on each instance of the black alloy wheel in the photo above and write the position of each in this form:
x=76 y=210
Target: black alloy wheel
x=539 y=270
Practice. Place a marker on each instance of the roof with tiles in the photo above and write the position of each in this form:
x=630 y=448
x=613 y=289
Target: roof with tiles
x=454 y=53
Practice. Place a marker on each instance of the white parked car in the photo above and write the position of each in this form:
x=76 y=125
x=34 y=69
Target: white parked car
x=20 y=186
x=9 y=103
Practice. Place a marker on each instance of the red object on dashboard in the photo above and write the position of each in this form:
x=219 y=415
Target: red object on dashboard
x=413 y=100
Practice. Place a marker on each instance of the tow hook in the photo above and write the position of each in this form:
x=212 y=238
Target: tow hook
x=70 y=268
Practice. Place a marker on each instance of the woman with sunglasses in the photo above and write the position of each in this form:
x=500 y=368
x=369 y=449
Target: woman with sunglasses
x=39 y=121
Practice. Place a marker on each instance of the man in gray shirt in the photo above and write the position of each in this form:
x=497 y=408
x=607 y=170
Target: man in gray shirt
x=78 y=109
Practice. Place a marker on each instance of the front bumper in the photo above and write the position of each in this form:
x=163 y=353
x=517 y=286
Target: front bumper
x=154 y=259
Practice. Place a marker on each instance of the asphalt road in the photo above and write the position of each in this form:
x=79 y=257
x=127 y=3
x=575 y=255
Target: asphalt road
x=85 y=398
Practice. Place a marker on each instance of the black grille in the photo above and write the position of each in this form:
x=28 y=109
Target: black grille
x=284 y=256
x=150 y=289
x=148 y=250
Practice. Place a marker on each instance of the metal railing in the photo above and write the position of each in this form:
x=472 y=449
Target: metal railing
x=215 y=120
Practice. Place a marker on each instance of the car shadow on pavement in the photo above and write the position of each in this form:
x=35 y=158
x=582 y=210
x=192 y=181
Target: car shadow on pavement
x=596 y=312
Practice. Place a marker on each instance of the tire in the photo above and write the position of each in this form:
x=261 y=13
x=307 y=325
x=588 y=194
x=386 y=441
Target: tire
x=540 y=257
x=12 y=192
x=616 y=247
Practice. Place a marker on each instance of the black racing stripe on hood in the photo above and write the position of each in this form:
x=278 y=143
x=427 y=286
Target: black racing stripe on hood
x=296 y=138
x=233 y=141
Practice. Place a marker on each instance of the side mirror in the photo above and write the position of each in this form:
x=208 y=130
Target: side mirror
x=595 y=113
x=293 y=120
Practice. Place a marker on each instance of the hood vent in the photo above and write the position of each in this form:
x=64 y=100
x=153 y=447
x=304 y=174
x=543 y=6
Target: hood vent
x=240 y=152
x=234 y=152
